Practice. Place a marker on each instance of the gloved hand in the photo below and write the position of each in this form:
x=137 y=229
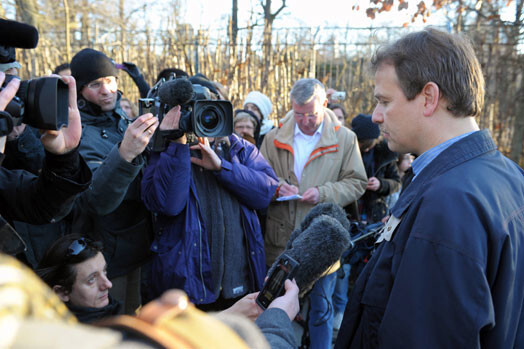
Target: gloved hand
x=131 y=69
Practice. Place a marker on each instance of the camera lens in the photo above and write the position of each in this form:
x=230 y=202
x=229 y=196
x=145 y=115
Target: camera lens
x=209 y=119
x=212 y=118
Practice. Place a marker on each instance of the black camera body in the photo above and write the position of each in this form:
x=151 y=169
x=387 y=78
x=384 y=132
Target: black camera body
x=199 y=113
x=41 y=103
x=274 y=285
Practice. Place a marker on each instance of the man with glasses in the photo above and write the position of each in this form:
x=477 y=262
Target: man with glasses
x=112 y=145
x=318 y=159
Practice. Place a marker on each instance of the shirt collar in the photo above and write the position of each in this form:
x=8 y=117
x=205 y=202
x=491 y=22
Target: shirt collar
x=429 y=155
x=298 y=131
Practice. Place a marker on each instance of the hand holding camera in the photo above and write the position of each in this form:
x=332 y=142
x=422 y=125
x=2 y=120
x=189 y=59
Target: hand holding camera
x=137 y=136
x=210 y=160
x=68 y=137
x=7 y=94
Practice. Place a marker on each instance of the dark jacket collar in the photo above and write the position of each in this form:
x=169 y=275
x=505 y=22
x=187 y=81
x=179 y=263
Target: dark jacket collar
x=87 y=314
x=475 y=144
x=92 y=113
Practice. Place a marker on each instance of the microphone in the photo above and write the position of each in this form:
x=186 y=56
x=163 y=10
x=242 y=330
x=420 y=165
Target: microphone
x=317 y=244
x=16 y=34
x=175 y=92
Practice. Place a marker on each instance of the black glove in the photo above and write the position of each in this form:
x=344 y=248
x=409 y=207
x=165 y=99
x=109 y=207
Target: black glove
x=131 y=69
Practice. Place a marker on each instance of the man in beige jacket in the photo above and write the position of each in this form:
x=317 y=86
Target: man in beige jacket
x=317 y=158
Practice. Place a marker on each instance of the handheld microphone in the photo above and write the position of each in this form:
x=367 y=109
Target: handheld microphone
x=175 y=92
x=318 y=244
x=16 y=34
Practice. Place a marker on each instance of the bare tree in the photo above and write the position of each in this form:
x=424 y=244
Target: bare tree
x=67 y=32
x=27 y=12
x=269 y=18
x=234 y=24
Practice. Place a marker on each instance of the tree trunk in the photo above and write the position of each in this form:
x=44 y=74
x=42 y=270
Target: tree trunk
x=67 y=34
x=27 y=12
x=517 y=140
x=85 y=25
x=123 y=30
x=234 y=25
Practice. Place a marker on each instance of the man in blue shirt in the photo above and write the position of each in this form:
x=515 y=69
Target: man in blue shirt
x=448 y=269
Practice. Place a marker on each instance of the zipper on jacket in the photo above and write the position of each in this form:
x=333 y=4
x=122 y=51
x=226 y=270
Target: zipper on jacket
x=200 y=252
x=252 y=276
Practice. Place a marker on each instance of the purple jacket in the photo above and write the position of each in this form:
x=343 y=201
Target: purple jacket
x=182 y=256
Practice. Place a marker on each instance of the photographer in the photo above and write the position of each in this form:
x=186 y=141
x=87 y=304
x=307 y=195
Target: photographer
x=50 y=196
x=208 y=241
x=112 y=146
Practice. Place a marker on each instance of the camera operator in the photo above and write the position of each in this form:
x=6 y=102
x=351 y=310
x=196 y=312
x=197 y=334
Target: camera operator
x=208 y=241
x=50 y=196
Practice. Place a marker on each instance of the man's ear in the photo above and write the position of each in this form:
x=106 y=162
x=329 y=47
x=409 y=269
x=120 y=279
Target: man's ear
x=61 y=293
x=431 y=93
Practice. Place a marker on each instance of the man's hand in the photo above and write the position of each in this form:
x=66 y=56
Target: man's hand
x=289 y=301
x=171 y=120
x=373 y=184
x=246 y=306
x=137 y=136
x=67 y=138
x=210 y=160
x=287 y=190
x=6 y=95
x=311 y=196
x=131 y=69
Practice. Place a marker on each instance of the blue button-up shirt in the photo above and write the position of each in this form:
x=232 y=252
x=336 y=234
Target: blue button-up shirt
x=429 y=155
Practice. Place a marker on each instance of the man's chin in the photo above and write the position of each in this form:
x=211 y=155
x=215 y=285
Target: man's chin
x=108 y=107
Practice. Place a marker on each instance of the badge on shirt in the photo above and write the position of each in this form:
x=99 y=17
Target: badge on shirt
x=389 y=228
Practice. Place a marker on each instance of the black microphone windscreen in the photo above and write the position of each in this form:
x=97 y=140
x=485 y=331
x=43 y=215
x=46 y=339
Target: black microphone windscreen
x=175 y=92
x=16 y=34
x=317 y=248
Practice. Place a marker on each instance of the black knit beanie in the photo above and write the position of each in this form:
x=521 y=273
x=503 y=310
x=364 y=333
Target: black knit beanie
x=364 y=127
x=88 y=65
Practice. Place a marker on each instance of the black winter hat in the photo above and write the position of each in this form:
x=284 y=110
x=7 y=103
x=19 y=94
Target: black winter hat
x=88 y=65
x=364 y=127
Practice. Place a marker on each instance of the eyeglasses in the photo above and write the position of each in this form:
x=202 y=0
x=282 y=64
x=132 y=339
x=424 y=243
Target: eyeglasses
x=309 y=116
x=77 y=246
x=109 y=81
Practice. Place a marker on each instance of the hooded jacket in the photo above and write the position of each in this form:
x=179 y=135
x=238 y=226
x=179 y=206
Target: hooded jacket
x=335 y=167
x=182 y=247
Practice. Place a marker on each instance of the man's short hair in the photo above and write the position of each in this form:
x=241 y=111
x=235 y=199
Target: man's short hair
x=61 y=67
x=435 y=56
x=305 y=90
x=169 y=72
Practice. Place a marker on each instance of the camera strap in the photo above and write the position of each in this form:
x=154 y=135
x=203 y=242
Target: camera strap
x=6 y=123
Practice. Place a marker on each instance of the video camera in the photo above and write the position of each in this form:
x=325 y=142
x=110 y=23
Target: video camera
x=42 y=102
x=199 y=113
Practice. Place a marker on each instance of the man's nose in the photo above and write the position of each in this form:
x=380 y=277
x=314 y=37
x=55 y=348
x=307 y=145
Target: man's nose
x=105 y=88
x=377 y=117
